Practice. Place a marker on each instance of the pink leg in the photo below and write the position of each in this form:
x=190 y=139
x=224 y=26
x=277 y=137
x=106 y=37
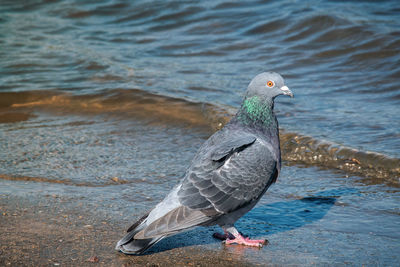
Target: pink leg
x=224 y=236
x=241 y=240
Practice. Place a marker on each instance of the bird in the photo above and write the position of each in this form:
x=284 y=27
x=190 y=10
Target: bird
x=228 y=175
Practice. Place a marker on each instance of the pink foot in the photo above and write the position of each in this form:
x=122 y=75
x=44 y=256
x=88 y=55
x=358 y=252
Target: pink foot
x=240 y=240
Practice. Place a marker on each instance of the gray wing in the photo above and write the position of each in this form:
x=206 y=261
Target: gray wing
x=230 y=175
x=227 y=148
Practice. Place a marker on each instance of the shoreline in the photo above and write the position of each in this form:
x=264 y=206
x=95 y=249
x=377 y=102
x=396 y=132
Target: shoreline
x=50 y=224
x=48 y=235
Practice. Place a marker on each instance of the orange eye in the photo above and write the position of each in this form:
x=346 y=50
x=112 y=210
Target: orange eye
x=270 y=83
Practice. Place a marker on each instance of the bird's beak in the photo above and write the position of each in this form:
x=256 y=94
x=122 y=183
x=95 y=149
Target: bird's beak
x=286 y=91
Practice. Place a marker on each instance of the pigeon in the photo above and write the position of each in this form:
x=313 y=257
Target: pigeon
x=226 y=178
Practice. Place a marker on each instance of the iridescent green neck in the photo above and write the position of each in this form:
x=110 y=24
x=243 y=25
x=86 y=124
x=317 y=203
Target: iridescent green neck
x=256 y=110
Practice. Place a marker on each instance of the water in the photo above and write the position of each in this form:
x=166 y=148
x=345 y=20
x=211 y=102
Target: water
x=103 y=89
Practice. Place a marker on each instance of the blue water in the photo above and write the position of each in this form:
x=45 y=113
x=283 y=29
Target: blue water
x=341 y=59
x=79 y=108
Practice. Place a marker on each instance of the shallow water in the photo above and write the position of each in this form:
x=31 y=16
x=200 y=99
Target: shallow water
x=340 y=59
x=113 y=98
x=118 y=169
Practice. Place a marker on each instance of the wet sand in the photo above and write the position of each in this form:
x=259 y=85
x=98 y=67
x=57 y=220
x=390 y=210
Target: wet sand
x=47 y=234
x=332 y=222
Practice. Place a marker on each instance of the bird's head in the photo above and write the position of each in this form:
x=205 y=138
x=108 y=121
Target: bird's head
x=268 y=85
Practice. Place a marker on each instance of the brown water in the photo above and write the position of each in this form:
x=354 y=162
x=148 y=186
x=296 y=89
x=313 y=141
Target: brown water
x=107 y=101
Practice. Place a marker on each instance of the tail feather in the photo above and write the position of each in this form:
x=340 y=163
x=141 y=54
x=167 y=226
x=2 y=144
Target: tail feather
x=136 y=246
x=136 y=224
x=148 y=230
x=129 y=245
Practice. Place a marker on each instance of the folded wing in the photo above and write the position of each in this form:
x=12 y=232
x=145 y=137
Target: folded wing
x=231 y=175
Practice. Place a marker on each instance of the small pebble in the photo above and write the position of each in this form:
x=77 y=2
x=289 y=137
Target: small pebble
x=93 y=259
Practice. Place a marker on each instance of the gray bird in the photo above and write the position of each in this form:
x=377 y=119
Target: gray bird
x=227 y=177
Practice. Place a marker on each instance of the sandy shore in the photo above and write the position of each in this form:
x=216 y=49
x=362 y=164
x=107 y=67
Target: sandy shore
x=58 y=224
x=46 y=234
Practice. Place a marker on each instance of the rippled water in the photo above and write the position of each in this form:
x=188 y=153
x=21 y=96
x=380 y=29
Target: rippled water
x=103 y=89
x=341 y=59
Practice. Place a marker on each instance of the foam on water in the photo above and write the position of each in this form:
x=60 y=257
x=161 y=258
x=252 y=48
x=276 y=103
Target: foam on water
x=161 y=110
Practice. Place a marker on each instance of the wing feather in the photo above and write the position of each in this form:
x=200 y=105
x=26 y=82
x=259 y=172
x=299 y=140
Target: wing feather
x=231 y=175
x=176 y=220
x=226 y=148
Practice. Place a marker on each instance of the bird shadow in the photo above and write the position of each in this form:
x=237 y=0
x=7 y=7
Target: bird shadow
x=263 y=220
